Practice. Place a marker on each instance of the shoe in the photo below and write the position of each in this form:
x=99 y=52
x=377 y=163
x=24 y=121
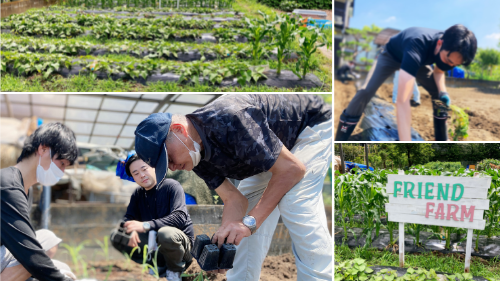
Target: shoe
x=345 y=127
x=161 y=271
x=414 y=103
x=173 y=276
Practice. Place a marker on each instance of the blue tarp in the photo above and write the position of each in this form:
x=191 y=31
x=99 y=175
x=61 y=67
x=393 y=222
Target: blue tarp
x=457 y=72
x=351 y=165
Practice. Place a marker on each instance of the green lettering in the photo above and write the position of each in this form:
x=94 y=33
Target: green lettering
x=419 y=190
x=410 y=191
x=396 y=189
x=427 y=190
x=454 y=192
x=442 y=192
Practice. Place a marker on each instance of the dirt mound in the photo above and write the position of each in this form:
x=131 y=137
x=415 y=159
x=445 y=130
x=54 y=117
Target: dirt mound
x=482 y=105
x=275 y=268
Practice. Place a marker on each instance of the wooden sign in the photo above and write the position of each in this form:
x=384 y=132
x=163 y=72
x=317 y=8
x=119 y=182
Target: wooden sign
x=438 y=200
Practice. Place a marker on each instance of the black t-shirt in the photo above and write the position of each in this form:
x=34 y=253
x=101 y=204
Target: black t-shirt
x=243 y=135
x=17 y=232
x=414 y=47
x=161 y=206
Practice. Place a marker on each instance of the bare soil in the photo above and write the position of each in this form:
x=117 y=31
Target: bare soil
x=275 y=268
x=482 y=105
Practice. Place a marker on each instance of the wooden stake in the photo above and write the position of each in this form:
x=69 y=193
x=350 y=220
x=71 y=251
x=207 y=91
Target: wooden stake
x=468 y=250
x=401 y=244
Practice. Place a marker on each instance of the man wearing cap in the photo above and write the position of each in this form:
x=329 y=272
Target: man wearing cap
x=280 y=147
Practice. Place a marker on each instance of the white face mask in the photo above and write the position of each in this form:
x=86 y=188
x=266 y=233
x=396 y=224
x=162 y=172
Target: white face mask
x=195 y=155
x=49 y=177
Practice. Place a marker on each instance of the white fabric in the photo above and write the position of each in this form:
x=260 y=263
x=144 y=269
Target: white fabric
x=302 y=211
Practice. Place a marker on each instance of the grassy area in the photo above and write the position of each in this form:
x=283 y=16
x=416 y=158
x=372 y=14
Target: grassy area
x=447 y=263
x=321 y=67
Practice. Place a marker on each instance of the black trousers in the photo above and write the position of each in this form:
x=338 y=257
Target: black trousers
x=382 y=68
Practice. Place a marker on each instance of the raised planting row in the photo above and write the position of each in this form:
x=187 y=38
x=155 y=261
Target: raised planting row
x=150 y=49
x=107 y=31
x=198 y=4
x=221 y=73
x=128 y=9
x=92 y=20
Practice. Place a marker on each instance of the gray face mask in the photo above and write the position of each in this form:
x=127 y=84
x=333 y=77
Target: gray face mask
x=195 y=155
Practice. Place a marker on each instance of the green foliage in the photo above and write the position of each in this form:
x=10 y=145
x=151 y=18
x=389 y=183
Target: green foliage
x=357 y=269
x=305 y=4
x=444 y=166
x=308 y=43
x=289 y=5
x=360 y=43
x=485 y=164
x=288 y=29
x=104 y=246
x=257 y=30
x=488 y=58
x=460 y=120
x=74 y=252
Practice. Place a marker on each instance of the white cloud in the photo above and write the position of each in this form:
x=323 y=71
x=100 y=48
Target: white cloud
x=495 y=36
x=389 y=19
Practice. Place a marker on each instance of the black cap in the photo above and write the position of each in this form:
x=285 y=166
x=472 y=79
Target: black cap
x=150 y=138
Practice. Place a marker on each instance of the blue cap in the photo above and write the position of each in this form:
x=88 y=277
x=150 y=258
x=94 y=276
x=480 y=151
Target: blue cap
x=150 y=138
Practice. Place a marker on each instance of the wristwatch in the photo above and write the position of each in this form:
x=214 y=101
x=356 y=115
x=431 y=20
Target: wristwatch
x=251 y=223
x=146 y=226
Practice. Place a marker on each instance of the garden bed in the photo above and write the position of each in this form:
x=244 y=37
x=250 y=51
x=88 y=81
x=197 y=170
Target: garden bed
x=274 y=268
x=131 y=46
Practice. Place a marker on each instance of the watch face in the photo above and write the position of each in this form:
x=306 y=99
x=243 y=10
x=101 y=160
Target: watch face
x=146 y=226
x=250 y=221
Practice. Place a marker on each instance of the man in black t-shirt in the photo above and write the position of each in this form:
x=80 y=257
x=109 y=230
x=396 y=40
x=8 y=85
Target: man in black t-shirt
x=162 y=209
x=45 y=155
x=412 y=51
x=280 y=147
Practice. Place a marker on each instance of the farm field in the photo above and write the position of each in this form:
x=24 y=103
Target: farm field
x=102 y=46
x=364 y=236
x=482 y=106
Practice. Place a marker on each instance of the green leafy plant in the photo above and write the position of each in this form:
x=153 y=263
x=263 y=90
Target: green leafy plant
x=289 y=6
x=256 y=31
x=288 y=29
x=460 y=120
x=128 y=256
x=308 y=46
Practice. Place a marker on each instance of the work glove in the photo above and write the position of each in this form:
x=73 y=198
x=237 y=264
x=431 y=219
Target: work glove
x=445 y=98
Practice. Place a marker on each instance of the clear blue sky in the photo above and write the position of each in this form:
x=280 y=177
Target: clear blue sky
x=480 y=16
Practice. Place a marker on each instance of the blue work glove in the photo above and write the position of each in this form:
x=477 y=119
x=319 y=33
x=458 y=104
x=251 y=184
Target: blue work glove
x=445 y=98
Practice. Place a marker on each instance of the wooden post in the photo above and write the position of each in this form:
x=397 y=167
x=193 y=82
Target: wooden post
x=366 y=157
x=401 y=244
x=468 y=250
x=342 y=163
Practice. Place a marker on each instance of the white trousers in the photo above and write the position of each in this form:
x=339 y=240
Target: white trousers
x=301 y=209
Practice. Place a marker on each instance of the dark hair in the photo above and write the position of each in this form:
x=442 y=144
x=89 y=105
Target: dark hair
x=129 y=162
x=460 y=39
x=57 y=136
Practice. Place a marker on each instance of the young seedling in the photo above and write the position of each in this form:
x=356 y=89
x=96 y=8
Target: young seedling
x=128 y=256
x=74 y=252
x=104 y=246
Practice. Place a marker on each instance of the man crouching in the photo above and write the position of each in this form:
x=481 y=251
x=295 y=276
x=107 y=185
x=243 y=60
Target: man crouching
x=160 y=208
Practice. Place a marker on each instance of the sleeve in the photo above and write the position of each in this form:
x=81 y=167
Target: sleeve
x=177 y=217
x=251 y=139
x=19 y=237
x=212 y=180
x=412 y=57
x=132 y=208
